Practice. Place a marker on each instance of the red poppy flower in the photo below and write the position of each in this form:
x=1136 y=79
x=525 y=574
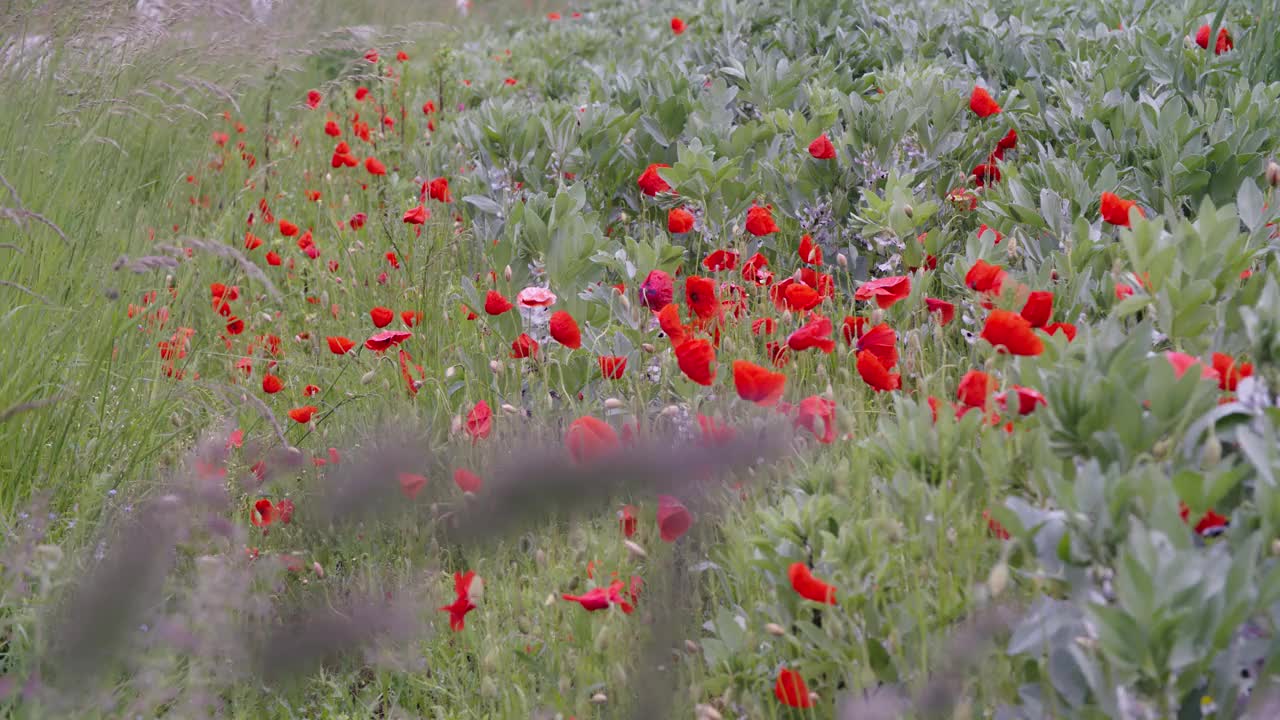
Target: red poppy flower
x=815 y=334
x=313 y=99
x=302 y=415
x=982 y=104
x=381 y=316
x=760 y=220
x=756 y=384
x=467 y=481
x=612 y=366
x=985 y=277
x=564 y=330
x=263 y=513
x=1230 y=373
x=697 y=360
x=679 y=221
x=287 y=228
x=271 y=384
x=1115 y=209
x=994 y=526
x=1183 y=362
x=657 y=290
x=273 y=259
x=974 y=388
x=411 y=484
x=700 y=294
x=479 y=421
x=755 y=270
x=410 y=317
x=1207 y=524
x=1008 y=142
x=809 y=587
x=1038 y=308
x=235 y=325
x=331 y=129
x=1223 y=44
x=882 y=342
x=674 y=519
x=339 y=345
x=524 y=347
x=602 y=598
x=1011 y=332
x=495 y=303
x=821 y=148
x=462 y=604
x=650 y=182
x=763 y=326
x=677 y=25
x=438 y=189
x=791 y=690
x=809 y=251
x=589 y=438
x=669 y=321
x=1065 y=328
x=417 y=215
x=984 y=175
x=874 y=373
x=374 y=166
x=799 y=297
x=627 y=520
x=945 y=310
x=886 y=291
x=378 y=342
x=721 y=260
x=1027 y=398
x=815 y=409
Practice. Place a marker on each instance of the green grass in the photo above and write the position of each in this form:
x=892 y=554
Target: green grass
x=1116 y=600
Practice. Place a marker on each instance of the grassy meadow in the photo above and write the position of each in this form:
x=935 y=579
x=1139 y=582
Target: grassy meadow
x=838 y=359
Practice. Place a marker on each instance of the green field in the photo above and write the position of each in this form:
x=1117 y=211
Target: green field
x=730 y=359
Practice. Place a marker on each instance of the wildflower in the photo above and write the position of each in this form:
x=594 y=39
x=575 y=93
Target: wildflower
x=721 y=260
x=495 y=303
x=982 y=104
x=809 y=251
x=791 y=690
x=814 y=334
x=416 y=216
x=985 y=277
x=627 y=520
x=809 y=587
x=467 y=481
x=1223 y=44
x=677 y=26
x=479 y=421
x=760 y=220
x=1038 y=308
x=821 y=148
x=650 y=182
x=874 y=373
x=564 y=330
x=815 y=409
x=381 y=316
x=524 y=347
x=612 y=367
x=302 y=415
x=679 y=221
x=462 y=604
x=756 y=384
x=374 y=166
x=674 y=519
x=700 y=294
x=697 y=360
x=589 y=438
x=263 y=513
x=535 y=297
x=657 y=290
x=1010 y=332
x=1230 y=373
x=411 y=484
x=378 y=342
x=313 y=99
x=885 y=291
x=271 y=384
x=438 y=189
x=339 y=345
x=974 y=388
x=1115 y=209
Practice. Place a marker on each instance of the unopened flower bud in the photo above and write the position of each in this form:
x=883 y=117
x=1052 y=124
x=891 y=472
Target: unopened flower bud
x=495 y=366
x=842 y=260
x=635 y=549
x=998 y=580
x=509 y=409
x=456 y=426
x=599 y=699
x=1273 y=174
x=450 y=371
x=707 y=712
x=648 y=347
x=909 y=211
x=614 y=404
x=691 y=647
x=775 y=629
x=368 y=377
x=1212 y=452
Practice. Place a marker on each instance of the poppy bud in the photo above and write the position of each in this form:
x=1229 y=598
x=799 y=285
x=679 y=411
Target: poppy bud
x=488 y=688
x=317 y=569
x=626 y=302
x=599 y=699
x=647 y=347
x=368 y=377
x=495 y=366
x=601 y=642
x=456 y=426
x=1273 y=174
x=635 y=549
x=450 y=371
x=490 y=661
x=691 y=647
x=1275 y=547
x=842 y=260
x=998 y=580
x=909 y=211
x=877 y=317
x=707 y=712
x=670 y=411
x=774 y=629
x=540 y=558
x=506 y=273
x=1161 y=448
x=613 y=404
x=1211 y=455
x=509 y=409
